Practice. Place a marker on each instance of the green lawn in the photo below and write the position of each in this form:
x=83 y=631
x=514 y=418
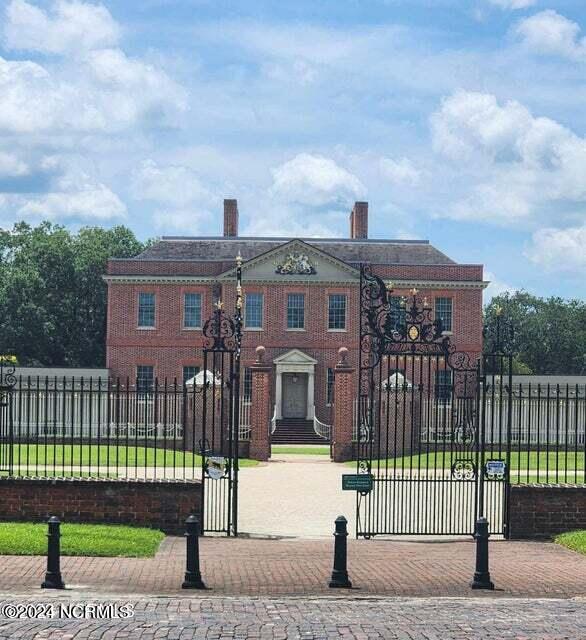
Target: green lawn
x=315 y=450
x=575 y=540
x=49 y=473
x=519 y=461
x=28 y=539
x=104 y=455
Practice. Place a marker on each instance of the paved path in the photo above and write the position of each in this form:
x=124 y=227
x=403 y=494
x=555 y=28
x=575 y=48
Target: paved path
x=294 y=495
x=303 y=567
x=398 y=619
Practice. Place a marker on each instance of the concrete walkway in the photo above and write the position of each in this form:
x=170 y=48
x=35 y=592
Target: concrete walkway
x=294 y=496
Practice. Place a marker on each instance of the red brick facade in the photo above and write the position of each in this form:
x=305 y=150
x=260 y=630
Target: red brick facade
x=165 y=272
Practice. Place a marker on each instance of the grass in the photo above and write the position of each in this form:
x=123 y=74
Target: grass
x=574 y=540
x=93 y=455
x=520 y=461
x=307 y=451
x=28 y=539
x=49 y=473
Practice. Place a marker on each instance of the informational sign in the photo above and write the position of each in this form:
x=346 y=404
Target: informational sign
x=357 y=482
x=495 y=468
x=216 y=467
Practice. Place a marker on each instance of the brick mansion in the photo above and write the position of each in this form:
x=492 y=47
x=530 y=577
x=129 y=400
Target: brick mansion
x=301 y=302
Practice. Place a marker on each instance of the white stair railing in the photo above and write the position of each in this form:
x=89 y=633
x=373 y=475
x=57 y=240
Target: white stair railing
x=273 y=424
x=323 y=430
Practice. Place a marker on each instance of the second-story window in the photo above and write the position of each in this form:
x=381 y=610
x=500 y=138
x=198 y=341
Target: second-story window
x=146 y=309
x=295 y=311
x=253 y=310
x=192 y=310
x=337 y=311
x=443 y=312
x=398 y=312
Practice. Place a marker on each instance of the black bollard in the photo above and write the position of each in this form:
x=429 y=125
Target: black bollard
x=53 y=579
x=482 y=574
x=340 y=578
x=193 y=574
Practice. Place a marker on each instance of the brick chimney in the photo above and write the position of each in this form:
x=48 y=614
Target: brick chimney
x=359 y=220
x=230 y=218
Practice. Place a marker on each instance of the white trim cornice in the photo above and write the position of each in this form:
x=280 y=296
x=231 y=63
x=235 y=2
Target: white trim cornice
x=133 y=279
x=396 y=283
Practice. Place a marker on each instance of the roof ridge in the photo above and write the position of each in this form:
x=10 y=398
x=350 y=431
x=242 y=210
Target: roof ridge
x=289 y=239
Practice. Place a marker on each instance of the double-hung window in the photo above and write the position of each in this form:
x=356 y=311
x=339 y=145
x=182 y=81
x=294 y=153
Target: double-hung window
x=189 y=371
x=443 y=312
x=398 y=312
x=192 y=310
x=253 y=310
x=443 y=385
x=145 y=378
x=329 y=386
x=337 y=311
x=295 y=311
x=247 y=385
x=146 y=309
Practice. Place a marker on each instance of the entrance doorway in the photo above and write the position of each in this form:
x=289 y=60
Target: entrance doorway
x=294 y=395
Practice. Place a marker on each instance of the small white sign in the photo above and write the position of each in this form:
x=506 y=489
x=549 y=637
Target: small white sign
x=216 y=467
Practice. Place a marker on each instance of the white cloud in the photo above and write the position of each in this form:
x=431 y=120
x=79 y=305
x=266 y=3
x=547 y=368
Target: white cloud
x=110 y=93
x=400 y=172
x=513 y=165
x=315 y=181
x=189 y=221
x=550 y=33
x=11 y=166
x=69 y=27
x=76 y=196
x=172 y=184
x=559 y=249
x=513 y=4
x=496 y=287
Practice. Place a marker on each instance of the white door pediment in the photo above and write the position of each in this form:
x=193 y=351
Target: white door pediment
x=295 y=356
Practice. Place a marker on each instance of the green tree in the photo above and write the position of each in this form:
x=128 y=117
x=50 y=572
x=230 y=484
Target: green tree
x=52 y=296
x=546 y=335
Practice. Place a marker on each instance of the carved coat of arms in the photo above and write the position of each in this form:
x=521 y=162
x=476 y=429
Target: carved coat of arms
x=296 y=264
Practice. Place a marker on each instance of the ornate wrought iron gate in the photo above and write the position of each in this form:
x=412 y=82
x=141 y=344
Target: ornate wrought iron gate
x=220 y=386
x=7 y=382
x=422 y=411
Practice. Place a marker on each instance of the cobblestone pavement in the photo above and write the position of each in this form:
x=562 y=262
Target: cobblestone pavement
x=302 y=567
x=303 y=618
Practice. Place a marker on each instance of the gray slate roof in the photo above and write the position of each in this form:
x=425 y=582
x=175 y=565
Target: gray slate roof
x=351 y=251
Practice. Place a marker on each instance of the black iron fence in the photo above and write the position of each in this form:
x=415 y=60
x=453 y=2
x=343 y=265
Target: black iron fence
x=77 y=427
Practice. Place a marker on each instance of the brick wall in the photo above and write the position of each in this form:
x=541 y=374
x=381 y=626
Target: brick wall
x=541 y=511
x=161 y=504
x=168 y=347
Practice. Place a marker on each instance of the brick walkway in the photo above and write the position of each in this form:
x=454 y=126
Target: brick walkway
x=302 y=567
x=323 y=618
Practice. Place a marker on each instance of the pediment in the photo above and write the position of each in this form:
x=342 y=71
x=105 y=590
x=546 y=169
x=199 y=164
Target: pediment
x=294 y=356
x=296 y=261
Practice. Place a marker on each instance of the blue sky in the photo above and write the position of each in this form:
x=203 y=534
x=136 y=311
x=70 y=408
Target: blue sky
x=460 y=122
